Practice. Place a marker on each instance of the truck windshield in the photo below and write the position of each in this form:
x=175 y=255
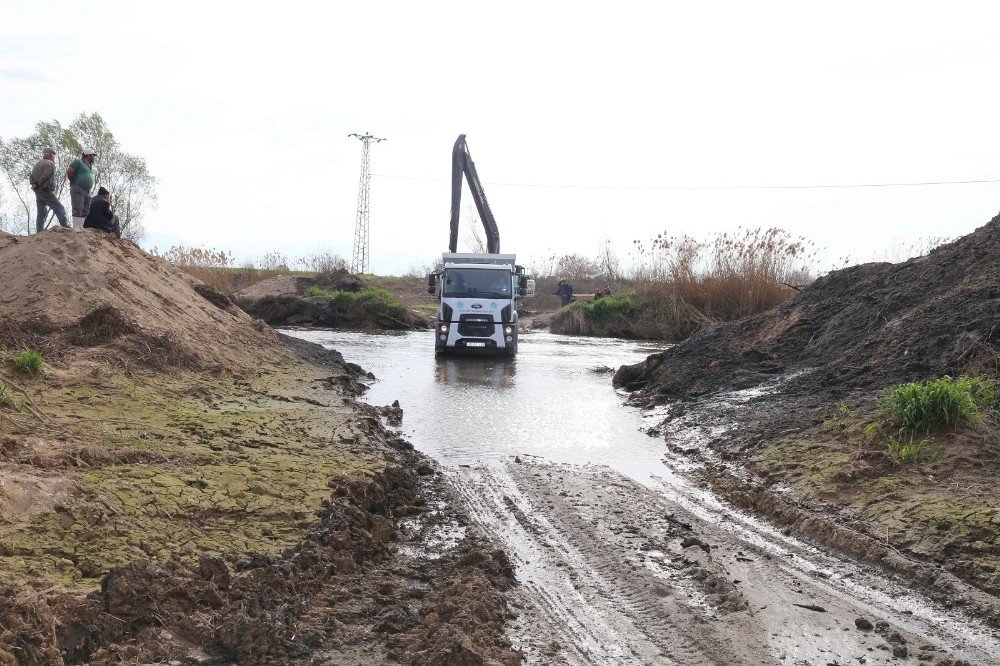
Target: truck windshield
x=477 y=283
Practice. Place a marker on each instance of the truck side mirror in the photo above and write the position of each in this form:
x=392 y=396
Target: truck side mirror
x=526 y=286
x=431 y=283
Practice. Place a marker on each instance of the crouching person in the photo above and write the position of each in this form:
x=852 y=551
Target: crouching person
x=101 y=216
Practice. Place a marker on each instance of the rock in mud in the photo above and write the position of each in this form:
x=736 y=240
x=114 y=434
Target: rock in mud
x=863 y=624
x=393 y=414
x=687 y=542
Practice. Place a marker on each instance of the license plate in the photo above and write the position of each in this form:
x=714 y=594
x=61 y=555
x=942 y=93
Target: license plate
x=475 y=344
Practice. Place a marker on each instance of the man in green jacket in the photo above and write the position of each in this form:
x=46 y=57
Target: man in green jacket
x=81 y=182
x=42 y=181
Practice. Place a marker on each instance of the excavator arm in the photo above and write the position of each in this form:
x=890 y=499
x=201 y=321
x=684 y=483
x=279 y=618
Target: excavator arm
x=461 y=163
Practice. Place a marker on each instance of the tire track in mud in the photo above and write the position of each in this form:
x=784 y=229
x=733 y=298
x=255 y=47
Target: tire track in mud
x=614 y=572
x=588 y=597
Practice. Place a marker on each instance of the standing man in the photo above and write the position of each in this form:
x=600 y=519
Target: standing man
x=81 y=182
x=564 y=291
x=42 y=179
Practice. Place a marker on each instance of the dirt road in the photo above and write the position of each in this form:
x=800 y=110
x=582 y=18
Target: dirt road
x=615 y=572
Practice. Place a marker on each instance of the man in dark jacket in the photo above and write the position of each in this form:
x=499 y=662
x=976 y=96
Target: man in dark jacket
x=101 y=216
x=564 y=291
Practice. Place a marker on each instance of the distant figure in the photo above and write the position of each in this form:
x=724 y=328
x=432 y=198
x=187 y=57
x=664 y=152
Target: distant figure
x=564 y=291
x=101 y=216
x=42 y=177
x=81 y=183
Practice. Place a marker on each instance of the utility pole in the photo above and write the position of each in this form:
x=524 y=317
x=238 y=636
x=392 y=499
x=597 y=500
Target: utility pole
x=360 y=260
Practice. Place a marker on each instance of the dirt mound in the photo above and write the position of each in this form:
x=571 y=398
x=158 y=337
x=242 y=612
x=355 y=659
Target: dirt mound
x=785 y=414
x=342 y=302
x=65 y=290
x=279 y=285
x=864 y=326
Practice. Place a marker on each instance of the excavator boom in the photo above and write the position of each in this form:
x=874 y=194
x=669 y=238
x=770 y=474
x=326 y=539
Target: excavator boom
x=461 y=163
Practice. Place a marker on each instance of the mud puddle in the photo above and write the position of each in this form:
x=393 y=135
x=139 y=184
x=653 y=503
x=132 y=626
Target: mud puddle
x=623 y=555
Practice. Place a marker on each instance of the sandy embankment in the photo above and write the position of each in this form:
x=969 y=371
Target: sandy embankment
x=182 y=483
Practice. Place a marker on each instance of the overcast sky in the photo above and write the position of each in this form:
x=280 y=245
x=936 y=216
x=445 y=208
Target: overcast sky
x=243 y=109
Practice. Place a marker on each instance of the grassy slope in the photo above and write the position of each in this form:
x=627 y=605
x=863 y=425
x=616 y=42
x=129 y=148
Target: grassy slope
x=160 y=465
x=943 y=508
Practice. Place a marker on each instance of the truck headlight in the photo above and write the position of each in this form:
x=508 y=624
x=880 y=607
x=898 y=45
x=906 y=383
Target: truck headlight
x=508 y=330
x=444 y=328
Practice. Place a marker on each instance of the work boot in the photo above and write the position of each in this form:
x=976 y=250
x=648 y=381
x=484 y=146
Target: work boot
x=78 y=224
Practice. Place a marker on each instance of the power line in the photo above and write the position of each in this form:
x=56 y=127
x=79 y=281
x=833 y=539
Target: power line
x=706 y=187
x=360 y=258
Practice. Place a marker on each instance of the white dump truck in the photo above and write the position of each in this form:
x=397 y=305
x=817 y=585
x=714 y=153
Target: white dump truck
x=479 y=294
x=479 y=291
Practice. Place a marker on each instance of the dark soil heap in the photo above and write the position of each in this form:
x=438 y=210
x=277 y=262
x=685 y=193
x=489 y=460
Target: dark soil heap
x=821 y=360
x=867 y=326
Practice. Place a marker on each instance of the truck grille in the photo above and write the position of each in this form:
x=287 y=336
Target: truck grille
x=475 y=325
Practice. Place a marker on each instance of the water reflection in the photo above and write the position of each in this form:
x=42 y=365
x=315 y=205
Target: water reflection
x=547 y=402
x=475 y=371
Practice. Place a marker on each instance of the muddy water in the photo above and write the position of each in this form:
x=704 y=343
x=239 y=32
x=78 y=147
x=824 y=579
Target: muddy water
x=606 y=579
x=548 y=402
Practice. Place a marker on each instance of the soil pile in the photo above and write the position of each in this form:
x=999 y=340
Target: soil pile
x=786 y=405
x=178 y=483
x=339 y=300
x=66 y=291
x=865 y=326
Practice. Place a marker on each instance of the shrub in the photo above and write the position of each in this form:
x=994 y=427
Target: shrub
x=610 y=308
x=28 y=361
x=921 y=408
x=319 y=292
x=377 y=302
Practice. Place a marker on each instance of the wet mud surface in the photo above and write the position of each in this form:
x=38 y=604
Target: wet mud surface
x=612 y=571
x=624 y=555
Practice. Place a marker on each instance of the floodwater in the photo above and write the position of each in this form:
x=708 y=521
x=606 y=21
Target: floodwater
x=548 y=401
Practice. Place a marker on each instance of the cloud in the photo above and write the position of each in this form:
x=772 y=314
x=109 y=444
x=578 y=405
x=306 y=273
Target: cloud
x=20 y=74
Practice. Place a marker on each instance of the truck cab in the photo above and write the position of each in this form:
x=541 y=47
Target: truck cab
x=479 y=294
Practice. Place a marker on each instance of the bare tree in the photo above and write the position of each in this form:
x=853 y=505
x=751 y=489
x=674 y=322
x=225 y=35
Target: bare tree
x=474 y=240
x=607 y=261
x=18 y=156
x=126 y=176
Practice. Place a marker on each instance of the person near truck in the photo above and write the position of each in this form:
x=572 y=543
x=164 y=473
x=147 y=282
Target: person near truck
x=42 y=180
x=101 y=217
x=81 y=182
x=564 y=291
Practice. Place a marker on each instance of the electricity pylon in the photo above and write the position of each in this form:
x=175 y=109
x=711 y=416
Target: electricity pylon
x=360 y=260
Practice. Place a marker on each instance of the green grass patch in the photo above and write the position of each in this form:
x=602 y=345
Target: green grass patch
x=320 y=292
x=27 y=361
x=919 y=409
x=913 y=451
x=610 y=308
x=377 y=302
